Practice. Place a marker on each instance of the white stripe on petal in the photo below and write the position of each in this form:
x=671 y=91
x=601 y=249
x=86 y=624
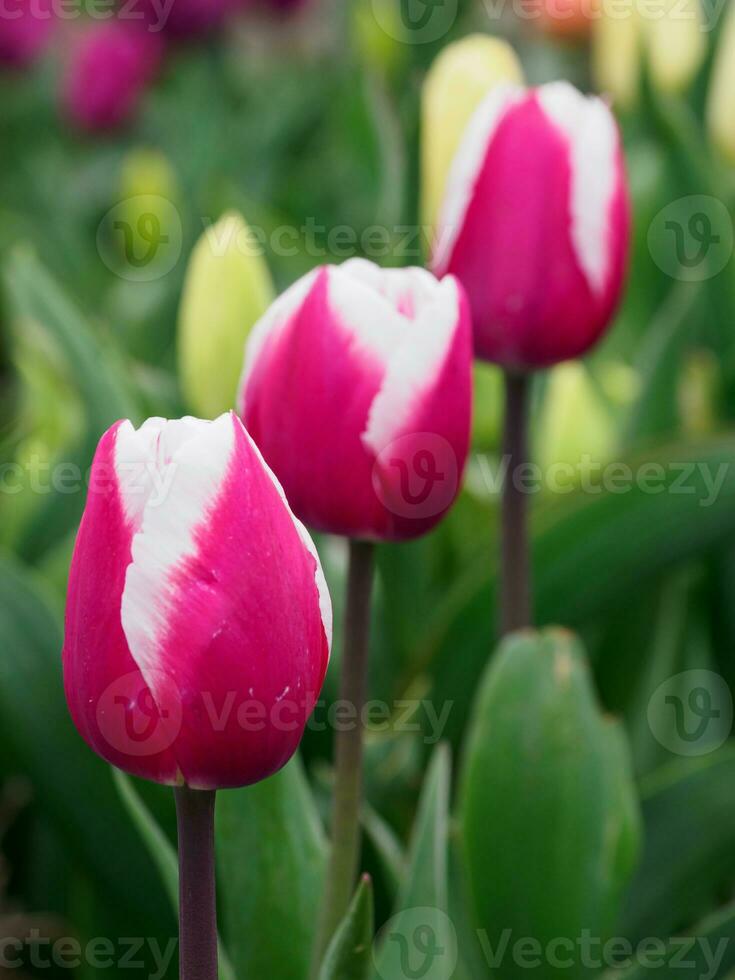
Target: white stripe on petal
x=278 y=314
x=414 y=365
x=592 y=134
x=369 y=315
x=466 y=168
x=187 y=461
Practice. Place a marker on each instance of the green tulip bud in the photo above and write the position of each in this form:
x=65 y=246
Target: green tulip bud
x=548 y=813
x=228 y=288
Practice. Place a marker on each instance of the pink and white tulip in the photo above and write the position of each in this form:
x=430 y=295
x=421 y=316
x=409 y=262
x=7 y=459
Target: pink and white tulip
x=198 y=621
x=536 y=224
x=357 y=389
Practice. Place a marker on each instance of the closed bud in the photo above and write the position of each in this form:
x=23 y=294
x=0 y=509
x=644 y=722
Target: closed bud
x=668 y=34
x=148 y=188
x=198 y=622
x=676 y=43
x=111 y=66
x=457 y=82
x=357 y=389
x=228 y=287
x=617 y=44
x=577 y=430
x=378 y=38
x=535 y=224
x=548 y=811
x=721 y=96
x=26 y=28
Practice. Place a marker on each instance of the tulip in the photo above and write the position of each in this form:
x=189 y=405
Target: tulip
x=195 y=599
x=535 y=224
x=110 y=69
x=191 y=580
x=228 y=288
x=460 y=78
x=616 y=57
x=188 y=18
x=25 y=31
x=720 y=102
x=676 y=43
x=357 y=391
x=668 y=34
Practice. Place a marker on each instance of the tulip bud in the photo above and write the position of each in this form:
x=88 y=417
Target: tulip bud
x=357 y=389
x=457 y=82
x=198 y=621
x=535 y=224
x=720 y=101
x=616 y=54
x=112 y=65
x=25 y=31
x=577 y=429
x=228 y=288
x=676 y=43
x=380 y=49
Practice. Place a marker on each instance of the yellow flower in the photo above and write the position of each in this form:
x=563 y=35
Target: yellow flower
x=228 y=288
x=668 y=34
x=676 y=43
x=456 y=83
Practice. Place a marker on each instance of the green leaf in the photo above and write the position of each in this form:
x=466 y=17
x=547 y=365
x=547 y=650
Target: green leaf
x=35 y=727
x=38 y=299
x=688 y=808
x=92 y=365
x=271 y=854
x=590 y=552
x=348 y=954
x=708 y=951
x=162 y=853
x=420 y=934
x=547 y=814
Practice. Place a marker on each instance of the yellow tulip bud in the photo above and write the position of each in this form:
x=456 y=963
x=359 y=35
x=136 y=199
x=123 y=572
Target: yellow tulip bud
x=147 y=171
x=378 y=34
x=616 y=53
x=720 y=102
x=148 y=196
x=676 y=43
x=577 y=432
x=456 y=84
x=228 y=288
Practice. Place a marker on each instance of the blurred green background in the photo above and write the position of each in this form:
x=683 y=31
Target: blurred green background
x=311 y=123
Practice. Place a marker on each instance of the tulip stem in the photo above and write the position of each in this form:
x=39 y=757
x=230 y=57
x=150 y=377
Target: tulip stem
x=345 y=852
x=197 y=898
x=515 y=595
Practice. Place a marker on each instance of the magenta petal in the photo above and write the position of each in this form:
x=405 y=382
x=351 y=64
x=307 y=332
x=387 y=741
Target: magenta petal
x=541 y=243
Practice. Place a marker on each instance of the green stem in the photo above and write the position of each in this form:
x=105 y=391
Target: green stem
x=515 y=595
x=345 y=851
x=197 y=897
